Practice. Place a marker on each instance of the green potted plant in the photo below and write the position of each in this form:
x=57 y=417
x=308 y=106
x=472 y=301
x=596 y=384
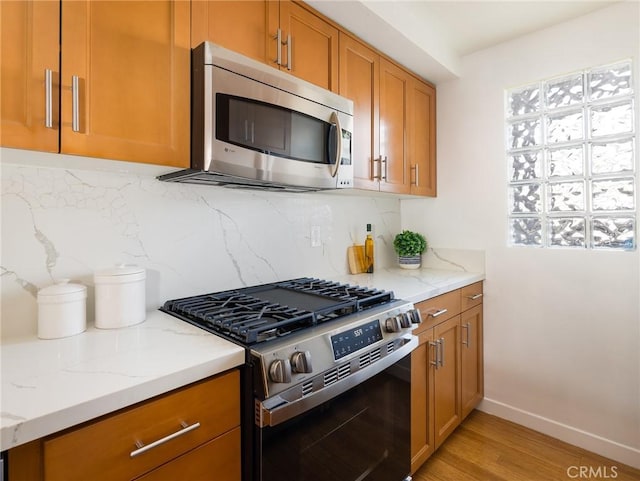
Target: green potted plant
x=409 y=246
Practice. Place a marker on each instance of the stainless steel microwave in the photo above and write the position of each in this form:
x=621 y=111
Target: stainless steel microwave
x=254 y=126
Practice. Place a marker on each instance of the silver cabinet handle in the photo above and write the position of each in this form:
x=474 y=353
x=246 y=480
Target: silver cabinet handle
x=415 y=168
x=377 y=175
x=467 y=326
x=48 y=98
x=144 y=448
x=434 y=344
x=474 y=297
x=436 y=312
x=441 y=351
x=278 y=39
x=289 y=52
x=383 y=161
x=75 y=103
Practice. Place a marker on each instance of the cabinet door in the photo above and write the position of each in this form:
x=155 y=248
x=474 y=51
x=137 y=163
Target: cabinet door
x=131 y=100
x=239 y=26
x=422 y=138
x=422 y=370
x=29 y=39
x=447 y=411
x=472 y=359
x=394 y=84
x=180 y=421
x=360 y=82
x=314 y=46
x=218 y=459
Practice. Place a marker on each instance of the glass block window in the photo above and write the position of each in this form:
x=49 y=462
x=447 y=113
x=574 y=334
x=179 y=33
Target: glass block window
x=571 y=155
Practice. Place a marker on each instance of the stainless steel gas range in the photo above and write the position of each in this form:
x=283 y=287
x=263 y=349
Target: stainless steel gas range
x=326 y=383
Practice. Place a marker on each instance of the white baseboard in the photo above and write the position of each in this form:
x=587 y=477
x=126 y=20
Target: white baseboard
x=604 y=447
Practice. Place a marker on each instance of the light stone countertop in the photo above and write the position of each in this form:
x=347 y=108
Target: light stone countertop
x=50 y=385
x=414 y=285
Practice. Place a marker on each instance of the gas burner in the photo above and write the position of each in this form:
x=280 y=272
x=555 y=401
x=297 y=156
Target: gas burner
x=262 y=313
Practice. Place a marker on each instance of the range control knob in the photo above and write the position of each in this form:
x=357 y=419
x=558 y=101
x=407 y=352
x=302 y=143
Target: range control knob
x=405 y=320
x=280 y=370
x=392 y=324
x=301 y=362
x=415 y=316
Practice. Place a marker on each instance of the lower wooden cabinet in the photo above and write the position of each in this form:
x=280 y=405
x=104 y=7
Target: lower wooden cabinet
x=447 y=378
x=180 y=435
x=218 y=459
x=446 y=368
x=471 y=364
x=422 y=368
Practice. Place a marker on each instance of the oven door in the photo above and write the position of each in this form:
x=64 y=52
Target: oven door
x=362 y=434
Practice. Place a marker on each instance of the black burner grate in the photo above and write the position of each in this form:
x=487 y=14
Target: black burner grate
x=260 y=313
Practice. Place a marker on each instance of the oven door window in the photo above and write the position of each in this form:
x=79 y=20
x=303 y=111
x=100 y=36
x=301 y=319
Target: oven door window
x=274 y=130
x=363 y=434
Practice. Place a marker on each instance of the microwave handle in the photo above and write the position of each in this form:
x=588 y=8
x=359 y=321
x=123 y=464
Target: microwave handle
x=336 y=122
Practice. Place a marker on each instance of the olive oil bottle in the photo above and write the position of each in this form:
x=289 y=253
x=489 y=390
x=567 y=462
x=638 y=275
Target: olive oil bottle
x=368 y=251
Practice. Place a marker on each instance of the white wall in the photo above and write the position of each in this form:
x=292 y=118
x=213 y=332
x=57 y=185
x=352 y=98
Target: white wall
x=562 y=334
x=65 y=217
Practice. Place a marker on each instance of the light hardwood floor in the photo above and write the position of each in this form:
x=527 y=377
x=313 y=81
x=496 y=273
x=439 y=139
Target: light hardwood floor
x=488 y=448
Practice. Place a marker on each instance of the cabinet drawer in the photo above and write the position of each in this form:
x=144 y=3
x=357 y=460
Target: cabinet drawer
x=103 y=449
x=438 y=309
x=220 y=456
x=471 y=296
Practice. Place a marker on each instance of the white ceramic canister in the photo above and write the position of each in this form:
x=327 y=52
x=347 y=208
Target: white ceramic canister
x=120 y=296
x=62 y=310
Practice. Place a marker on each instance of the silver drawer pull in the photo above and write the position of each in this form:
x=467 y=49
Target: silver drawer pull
x=436 y=312
x=474 y=297
x=143 y=448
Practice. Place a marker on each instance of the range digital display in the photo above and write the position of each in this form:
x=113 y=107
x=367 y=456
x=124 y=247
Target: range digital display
x=350 y=341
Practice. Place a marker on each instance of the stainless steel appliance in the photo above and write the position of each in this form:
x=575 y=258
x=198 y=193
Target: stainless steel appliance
x=254 y=126
x=326 y=384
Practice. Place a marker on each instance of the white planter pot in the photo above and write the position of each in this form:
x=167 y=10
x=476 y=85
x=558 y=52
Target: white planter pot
x=411 y=262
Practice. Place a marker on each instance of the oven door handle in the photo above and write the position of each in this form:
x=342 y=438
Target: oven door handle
x=279 y=410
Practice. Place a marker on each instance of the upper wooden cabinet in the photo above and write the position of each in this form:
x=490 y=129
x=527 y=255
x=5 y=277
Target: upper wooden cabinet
x=239 y=26
x=394 y=125
x=123 y=79
x=360 y=82
x=308 y=46
x=394 y=100
x=422 y=138
x=29 y=38
x=311 y=45
x=132 y=64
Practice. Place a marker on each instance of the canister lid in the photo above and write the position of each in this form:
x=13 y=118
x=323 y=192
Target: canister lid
x=62 y=291
x=120 y=273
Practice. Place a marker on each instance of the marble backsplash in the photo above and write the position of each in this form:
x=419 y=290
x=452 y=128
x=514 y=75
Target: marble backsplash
x=65 y=217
